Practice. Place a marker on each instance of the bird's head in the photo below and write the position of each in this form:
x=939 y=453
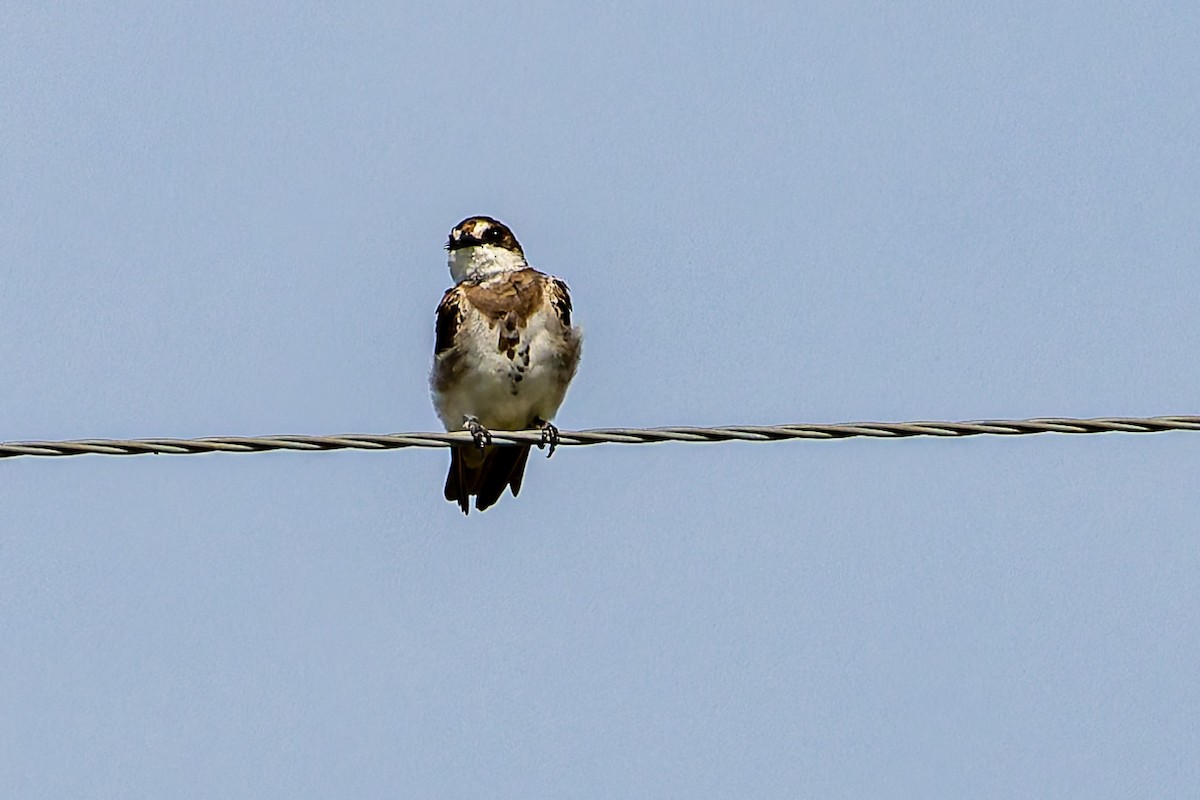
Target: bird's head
x=480 y=246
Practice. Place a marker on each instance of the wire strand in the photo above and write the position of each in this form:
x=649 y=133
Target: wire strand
x=730 y=433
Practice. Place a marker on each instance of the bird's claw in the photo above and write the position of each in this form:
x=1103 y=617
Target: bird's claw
x=481 y=435
x=549 y=437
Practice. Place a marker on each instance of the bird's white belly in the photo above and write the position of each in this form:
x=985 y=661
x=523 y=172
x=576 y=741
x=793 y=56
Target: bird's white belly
x=489 y=389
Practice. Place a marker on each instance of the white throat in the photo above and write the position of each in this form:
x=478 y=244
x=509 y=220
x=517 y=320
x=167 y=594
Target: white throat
x=483 y=261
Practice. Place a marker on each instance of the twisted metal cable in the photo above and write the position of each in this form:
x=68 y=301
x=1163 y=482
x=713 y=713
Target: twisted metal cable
x=745 y=433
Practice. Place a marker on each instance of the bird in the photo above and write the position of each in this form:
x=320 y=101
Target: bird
x=505 y=352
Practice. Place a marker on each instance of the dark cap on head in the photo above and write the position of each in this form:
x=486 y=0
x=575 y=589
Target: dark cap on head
x=476 y=231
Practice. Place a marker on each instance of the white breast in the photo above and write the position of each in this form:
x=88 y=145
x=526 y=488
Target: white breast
x=510 y=393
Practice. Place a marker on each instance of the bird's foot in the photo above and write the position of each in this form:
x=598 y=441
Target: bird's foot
x=549 y=436
x=480 y=434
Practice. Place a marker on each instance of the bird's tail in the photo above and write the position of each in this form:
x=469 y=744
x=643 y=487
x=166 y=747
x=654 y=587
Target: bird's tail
x=484 y=474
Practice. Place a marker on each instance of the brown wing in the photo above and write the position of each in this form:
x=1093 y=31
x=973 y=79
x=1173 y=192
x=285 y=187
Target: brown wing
x=449 y=317
x=560 y=298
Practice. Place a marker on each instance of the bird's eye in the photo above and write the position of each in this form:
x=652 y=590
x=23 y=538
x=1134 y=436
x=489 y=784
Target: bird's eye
x=494 y=235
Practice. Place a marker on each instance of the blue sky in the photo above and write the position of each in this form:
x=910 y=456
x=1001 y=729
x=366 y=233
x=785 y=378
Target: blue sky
x=217 y=219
